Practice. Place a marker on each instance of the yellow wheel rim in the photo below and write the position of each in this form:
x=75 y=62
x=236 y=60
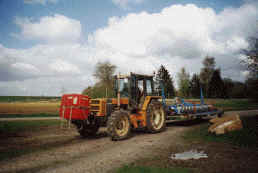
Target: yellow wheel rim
x=157 y=118
x=122 y=126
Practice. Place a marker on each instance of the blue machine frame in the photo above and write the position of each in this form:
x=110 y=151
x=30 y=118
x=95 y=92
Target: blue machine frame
x=189 y=109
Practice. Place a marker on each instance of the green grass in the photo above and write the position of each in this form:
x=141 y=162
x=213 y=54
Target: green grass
x=21 y=126
x=27 y=98
x=143 y=169
x=246 y=137
x=27 y=115
x=236 y=104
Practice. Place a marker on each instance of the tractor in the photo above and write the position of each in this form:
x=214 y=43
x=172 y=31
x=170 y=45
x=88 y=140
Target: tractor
x=136 y=106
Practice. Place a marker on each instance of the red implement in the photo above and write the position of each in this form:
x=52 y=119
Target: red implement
x=74 y=107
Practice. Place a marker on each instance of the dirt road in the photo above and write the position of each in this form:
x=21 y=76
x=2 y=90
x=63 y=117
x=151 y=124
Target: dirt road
x=65 y=151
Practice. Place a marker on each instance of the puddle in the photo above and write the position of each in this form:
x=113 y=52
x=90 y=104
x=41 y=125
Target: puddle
x=192 y=154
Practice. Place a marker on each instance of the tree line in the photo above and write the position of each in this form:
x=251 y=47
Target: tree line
x=209 y=80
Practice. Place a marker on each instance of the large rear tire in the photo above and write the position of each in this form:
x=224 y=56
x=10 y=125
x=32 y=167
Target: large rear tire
x=88 y=129
x=156 y=117
x=119 y=126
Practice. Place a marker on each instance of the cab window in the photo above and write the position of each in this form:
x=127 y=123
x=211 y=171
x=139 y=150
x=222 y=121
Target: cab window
x=148 y=87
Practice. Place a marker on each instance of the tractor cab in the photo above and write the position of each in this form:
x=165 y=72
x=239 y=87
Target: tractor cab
x=135 y=87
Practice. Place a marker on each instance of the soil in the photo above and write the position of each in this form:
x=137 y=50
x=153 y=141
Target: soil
x=52 y=149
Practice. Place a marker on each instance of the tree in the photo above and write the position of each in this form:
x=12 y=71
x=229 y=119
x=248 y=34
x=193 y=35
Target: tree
x=195 y=86
x=234 y=89
x=251 y=63
x=206 y=72
x=216 y=85
x=104 y=72
x=239 y=90
x=228 y=87
x=164 y=77
x=251 y=90
x=183 y=83
x=252 y=56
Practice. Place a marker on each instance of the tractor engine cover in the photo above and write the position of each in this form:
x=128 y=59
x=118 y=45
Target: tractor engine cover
x=74 y=107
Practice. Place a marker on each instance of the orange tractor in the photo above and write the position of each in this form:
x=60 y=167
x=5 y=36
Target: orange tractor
x=136 y=106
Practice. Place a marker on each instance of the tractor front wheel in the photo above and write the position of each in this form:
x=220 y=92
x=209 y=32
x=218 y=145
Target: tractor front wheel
x=156 y=118
x=119 y=126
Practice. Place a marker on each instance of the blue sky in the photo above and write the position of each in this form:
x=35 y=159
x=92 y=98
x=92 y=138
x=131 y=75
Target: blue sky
x=93 y=14
x=48 y=46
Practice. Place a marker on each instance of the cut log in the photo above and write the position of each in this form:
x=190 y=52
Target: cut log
x=225 y=124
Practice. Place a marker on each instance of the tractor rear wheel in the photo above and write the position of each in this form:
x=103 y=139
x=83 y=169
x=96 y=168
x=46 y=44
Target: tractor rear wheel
x=119 y=126
x=88 y=130
x=156 y=118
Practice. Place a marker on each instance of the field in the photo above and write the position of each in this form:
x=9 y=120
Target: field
x=29 y=108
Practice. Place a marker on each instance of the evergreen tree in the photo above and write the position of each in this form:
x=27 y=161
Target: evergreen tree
x=183 y=83
x=164 y=77
x=228 y=87
x=252 y=88
x=216 y=86
x=239 y=90
x=195 y=86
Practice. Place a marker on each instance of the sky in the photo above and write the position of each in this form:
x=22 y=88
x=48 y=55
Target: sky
x=51 y=47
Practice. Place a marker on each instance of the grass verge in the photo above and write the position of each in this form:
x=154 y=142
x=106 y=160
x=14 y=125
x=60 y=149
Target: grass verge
x=7 y=127
x=246 y=137
x=236 y=104
x=144 y=169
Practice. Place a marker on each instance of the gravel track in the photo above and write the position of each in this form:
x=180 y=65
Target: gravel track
x=68 y=152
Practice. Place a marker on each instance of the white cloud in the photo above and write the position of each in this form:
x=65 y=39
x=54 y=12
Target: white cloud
x=61 y=66
x=125 y=3
x=56 y=28
x=25 y=67
x=42 y=2
x=180 y=35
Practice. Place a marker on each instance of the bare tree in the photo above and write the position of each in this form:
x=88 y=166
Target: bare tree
x=252 y=57
x=104 y=72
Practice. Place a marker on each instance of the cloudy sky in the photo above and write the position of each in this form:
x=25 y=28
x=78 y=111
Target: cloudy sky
x=52 y=46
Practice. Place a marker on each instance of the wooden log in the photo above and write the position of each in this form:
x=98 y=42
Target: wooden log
x=225 y=124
